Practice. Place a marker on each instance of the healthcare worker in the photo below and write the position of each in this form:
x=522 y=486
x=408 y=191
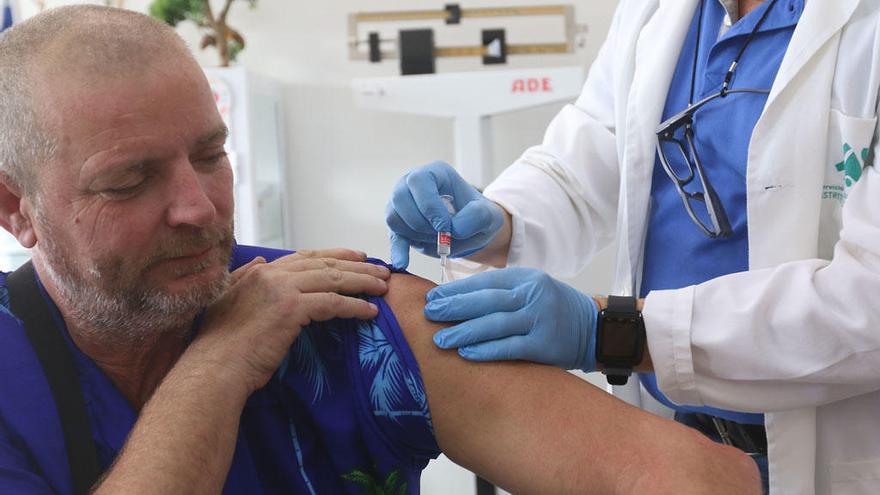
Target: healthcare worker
x=728 y=148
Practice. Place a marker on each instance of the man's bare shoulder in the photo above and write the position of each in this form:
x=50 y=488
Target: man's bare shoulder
x=406 y=296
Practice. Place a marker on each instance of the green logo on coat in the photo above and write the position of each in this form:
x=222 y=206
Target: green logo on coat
x=852 y=164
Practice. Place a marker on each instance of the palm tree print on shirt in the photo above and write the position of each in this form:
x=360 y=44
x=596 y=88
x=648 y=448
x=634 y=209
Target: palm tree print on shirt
x=376 y=354
x=393 y=485
x=306 y=360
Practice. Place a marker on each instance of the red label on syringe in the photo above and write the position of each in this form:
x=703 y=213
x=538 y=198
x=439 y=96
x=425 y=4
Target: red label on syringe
x=444 y=243
x=444 y=239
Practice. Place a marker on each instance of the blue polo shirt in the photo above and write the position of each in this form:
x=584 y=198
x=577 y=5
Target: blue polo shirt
x=677 y=253
x=346 y=413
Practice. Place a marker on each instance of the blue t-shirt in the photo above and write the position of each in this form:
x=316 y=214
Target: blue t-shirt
x=346 y=410
x=677 y=253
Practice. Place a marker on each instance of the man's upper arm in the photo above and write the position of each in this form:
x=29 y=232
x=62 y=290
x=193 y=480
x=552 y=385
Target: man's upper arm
x=537 y=429
x=493 y=417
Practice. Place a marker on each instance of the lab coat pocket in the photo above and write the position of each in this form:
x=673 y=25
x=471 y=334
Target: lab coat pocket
x=849 y=151
x=856 y=478
x=849 y=144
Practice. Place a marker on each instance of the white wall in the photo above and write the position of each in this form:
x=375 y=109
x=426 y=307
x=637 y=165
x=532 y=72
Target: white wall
x=343 y=161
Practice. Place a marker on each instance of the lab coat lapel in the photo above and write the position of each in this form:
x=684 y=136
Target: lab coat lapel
x=779 y=175
x=820 y=21
x=657 y=52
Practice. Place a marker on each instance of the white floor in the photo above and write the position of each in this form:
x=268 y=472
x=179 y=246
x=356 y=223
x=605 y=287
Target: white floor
x=443 y=477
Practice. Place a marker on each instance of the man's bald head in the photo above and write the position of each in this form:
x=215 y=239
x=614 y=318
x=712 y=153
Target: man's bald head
x=75 y=43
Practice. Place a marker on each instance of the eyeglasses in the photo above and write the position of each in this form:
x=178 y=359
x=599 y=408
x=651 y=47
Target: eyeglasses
x=707 y=199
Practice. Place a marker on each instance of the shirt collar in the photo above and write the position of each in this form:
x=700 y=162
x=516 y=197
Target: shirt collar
x=732 y=9
x=785 y=13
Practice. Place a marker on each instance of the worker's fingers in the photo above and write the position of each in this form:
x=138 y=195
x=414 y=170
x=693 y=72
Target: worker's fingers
x=239 y=272
x=488 y=328
x=424 y=186
x=478 y=217
x=507 y=278
x=517 y=347
x=399 y=226
x=459 y=307
x=333 y=280
x=403 y=204
x=399 y=252
x=323 y=306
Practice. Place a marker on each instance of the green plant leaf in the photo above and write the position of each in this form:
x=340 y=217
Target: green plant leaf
x=235 y=47
x=362 y=478
x=391 y=481
x=175 y=11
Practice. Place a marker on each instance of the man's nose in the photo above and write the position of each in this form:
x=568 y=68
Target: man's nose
x=190 y=203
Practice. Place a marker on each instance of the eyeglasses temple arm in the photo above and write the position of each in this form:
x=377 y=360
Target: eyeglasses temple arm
x=681 y=117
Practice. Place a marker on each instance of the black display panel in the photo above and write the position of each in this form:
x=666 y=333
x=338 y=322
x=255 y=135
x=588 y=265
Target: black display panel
x=619 y=339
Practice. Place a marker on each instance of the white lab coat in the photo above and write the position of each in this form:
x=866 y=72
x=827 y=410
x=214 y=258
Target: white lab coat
x=798 y=335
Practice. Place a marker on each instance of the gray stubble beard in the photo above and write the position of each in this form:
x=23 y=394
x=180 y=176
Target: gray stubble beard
x=128 y=315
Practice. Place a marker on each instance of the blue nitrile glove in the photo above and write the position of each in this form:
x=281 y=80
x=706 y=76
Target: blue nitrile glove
x=516 y=313
x=416 y=213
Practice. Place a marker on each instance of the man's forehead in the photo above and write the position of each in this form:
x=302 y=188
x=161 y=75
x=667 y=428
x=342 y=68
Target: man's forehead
x=111 y=126
x=78 y=106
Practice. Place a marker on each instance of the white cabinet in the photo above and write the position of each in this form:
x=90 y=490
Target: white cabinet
x=252 y=107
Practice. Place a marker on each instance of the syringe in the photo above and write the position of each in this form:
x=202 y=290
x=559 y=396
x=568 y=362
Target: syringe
x=444 y=240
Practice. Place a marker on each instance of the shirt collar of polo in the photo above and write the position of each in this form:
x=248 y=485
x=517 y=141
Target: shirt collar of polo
x=732 y=9
x=785 y=14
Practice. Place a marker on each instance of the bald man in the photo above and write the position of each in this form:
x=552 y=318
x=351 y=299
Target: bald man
x=208 y=367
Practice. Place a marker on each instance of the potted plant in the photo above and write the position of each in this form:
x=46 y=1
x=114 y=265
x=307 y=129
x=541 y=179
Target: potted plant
x=217 y=32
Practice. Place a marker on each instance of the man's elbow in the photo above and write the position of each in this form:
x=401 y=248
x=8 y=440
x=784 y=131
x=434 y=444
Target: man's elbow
x=683 y=461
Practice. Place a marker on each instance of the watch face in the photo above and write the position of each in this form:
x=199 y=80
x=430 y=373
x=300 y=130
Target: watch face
x=620 y=340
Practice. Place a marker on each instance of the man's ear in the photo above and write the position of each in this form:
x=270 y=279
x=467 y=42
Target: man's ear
x=16 y=213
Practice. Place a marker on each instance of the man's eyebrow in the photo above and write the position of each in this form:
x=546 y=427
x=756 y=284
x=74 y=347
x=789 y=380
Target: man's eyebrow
x=218 y=135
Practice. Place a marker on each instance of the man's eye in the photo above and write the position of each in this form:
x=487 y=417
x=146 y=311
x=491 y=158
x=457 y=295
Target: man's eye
x=214 y=159
x=122 y=192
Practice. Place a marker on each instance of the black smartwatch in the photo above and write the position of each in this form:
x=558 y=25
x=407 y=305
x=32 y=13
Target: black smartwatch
x=620 y=339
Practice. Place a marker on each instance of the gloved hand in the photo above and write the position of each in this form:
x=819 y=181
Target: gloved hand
x=516 y=313
x=416 y=213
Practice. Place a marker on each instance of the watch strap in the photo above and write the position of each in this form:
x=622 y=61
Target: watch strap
x=621 y=304
x=617 y=375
